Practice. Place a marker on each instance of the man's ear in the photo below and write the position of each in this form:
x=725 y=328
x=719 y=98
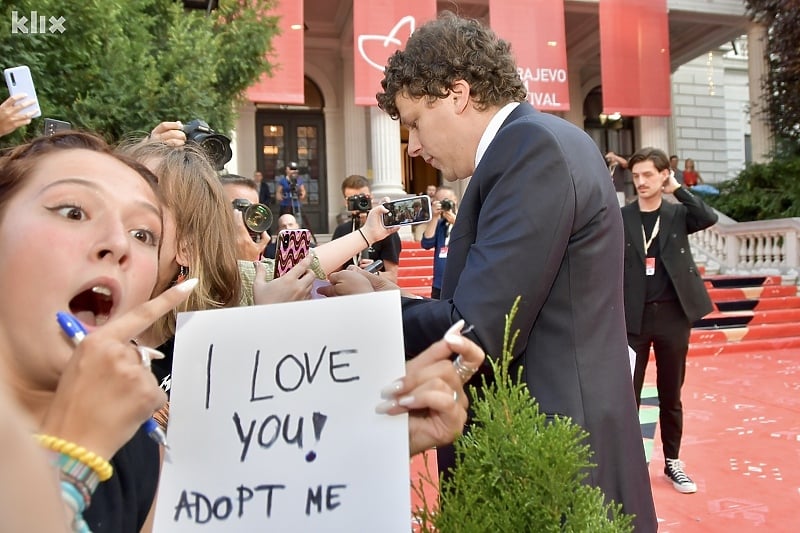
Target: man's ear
x=461 y=98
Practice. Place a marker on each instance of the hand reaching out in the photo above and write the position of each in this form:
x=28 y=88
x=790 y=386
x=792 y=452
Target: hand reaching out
x=170 y=133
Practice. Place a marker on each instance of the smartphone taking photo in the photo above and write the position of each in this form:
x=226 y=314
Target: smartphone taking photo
x=407 y=211
x=20 y=81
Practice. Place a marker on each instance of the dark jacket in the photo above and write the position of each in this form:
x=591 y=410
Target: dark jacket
x=678 y=221
x=540 y=219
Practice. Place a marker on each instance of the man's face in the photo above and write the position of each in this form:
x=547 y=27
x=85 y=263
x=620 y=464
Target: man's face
x=648 y=180
x=291 y=172
x=257 y=176
x=431 y=191
x=673 y=163
x=434 y=133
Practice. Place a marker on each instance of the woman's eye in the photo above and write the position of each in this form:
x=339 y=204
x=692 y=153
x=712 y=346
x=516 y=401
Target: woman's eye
x=145 y=236
x=71 y=212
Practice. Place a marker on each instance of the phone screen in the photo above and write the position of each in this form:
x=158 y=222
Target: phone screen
x=407 y=211
x=293 y=246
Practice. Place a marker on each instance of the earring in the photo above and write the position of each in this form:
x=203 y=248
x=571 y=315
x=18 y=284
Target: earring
x=183 y=273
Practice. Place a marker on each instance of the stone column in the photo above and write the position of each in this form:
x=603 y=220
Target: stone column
x=760 y=134
x=355 y=125
x=654 y=131
x=387 y=168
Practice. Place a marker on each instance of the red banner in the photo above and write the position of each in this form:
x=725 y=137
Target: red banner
x=381 y=27
x=286 y=84
x=634 y=57
x=535 y=29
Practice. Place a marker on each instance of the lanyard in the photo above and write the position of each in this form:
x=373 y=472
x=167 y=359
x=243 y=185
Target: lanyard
x=648 y=242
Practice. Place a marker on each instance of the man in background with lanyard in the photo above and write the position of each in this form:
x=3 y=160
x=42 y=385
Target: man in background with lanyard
x=437 y=233
x=664 y=292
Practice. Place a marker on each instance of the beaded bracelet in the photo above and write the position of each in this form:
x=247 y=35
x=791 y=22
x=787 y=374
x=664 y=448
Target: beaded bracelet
x=102 y=468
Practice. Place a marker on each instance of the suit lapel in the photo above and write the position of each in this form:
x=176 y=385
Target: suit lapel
x=633 y=225
x=667 y=218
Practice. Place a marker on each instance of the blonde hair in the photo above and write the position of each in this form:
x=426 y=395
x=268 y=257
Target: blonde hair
x=204 y=225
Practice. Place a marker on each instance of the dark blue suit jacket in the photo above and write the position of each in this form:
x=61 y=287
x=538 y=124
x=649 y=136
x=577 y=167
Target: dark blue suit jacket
x=551 y=231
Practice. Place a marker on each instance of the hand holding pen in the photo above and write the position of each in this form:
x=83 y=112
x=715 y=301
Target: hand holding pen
x=105 y=392
x=76 y=332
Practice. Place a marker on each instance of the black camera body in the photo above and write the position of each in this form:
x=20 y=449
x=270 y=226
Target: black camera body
x=215 y=145
x=359 y=202
x=447 y=204
x=257 y=218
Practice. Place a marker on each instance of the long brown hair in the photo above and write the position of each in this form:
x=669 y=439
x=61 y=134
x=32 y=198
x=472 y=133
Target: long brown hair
x=204 y=224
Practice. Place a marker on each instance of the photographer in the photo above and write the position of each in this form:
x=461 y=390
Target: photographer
x=250 y=242
x=358 y=199
x=291 y=191
x=437 y=233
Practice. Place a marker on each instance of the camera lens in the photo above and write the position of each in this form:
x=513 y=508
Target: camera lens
x=257 y=218
x=364 y=203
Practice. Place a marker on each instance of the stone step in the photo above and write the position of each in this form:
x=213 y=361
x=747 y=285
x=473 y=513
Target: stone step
x=736 y=334
x=727 y=281
x=751 y=293
x=744 y=346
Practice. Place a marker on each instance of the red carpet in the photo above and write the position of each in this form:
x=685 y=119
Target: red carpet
x=741 y=446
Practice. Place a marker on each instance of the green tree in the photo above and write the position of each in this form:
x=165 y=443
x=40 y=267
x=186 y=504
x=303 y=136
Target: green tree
x=123 y=66
x=782 y=83
x=517 y=471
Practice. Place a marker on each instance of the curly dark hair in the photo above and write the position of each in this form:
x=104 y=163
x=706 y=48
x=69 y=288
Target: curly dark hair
x=448 y=49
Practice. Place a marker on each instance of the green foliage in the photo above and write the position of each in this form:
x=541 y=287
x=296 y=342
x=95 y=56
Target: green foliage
x=518 y=471
x=125 y=65
x=762 y=191
x=782 y=84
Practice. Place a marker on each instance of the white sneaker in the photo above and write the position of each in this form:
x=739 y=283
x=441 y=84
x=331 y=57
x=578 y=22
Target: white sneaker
x=682 y=483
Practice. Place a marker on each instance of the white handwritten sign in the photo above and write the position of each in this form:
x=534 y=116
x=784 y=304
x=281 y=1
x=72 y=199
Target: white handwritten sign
x=272 y=420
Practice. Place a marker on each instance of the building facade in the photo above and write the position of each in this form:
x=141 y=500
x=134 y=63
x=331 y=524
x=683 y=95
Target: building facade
x=712 y=87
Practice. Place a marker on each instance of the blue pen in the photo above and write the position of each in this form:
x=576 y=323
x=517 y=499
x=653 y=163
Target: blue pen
x=76 y=332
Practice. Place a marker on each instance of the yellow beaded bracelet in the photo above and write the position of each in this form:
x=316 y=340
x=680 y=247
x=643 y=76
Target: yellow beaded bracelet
x=102 y=468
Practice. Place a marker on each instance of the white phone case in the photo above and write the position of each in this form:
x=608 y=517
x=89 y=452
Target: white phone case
x=19 y=80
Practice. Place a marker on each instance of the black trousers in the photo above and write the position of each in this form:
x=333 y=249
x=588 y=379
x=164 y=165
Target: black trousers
x=667 y=329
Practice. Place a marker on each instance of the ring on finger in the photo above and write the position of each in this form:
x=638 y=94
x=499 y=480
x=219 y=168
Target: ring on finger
x=465 y=372
x=455 y=396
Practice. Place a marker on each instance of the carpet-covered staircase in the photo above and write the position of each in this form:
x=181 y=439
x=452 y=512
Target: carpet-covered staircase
x=751 y=313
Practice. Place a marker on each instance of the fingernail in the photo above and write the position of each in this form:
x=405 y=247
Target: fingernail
x=455 y=328
x=391 y=389
x=188 y=285
x=152 y=352
x=384 y=407
x=453 y=334
x=405 y=401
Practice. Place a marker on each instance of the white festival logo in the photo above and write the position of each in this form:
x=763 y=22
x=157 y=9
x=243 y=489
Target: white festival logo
x=386 y=39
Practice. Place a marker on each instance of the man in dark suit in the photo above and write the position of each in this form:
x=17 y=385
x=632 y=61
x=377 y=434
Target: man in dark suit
x=539 y=219
x=664 y=292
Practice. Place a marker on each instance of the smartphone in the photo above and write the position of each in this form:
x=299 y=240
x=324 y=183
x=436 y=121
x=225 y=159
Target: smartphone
x=19 y=80
x=52 y=125
x=374 y=266
x=293 y=245
x=407 y=211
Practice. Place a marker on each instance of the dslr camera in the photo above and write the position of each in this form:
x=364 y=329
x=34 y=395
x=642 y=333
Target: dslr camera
x=447 y=204
x=257 y=218
x=216 y=146
x=359 y=202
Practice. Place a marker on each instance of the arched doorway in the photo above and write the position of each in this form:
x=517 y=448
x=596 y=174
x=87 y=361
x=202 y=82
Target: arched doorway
x=297 y=133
